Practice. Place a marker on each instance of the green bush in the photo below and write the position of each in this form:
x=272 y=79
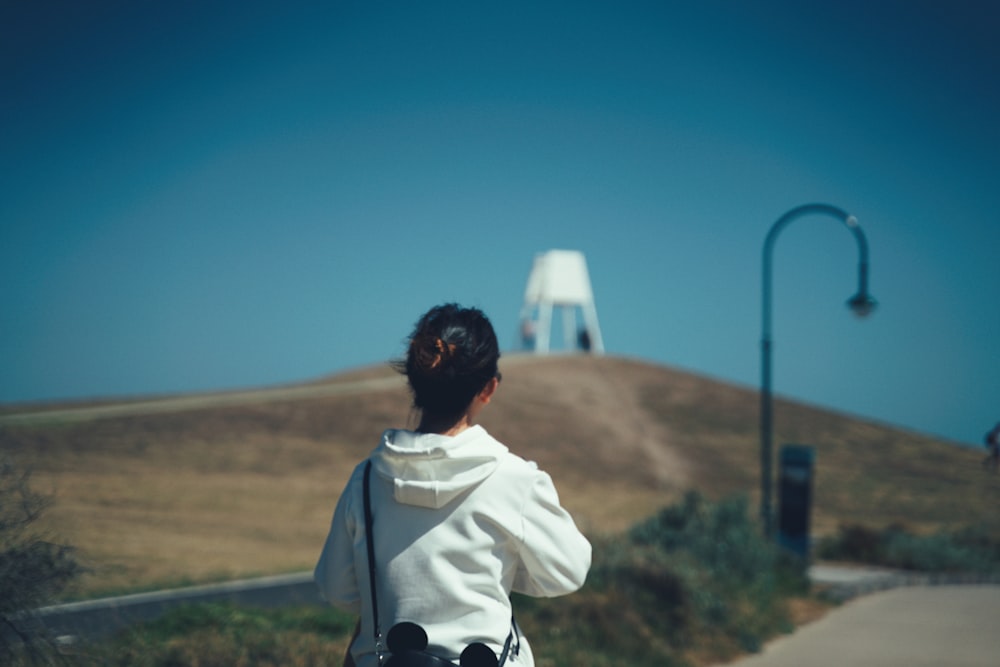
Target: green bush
x=696 y=578
x=853 y=542
x=735 y=580
x=970 y=549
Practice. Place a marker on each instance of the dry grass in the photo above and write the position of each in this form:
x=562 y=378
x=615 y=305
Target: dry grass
x=206 y=489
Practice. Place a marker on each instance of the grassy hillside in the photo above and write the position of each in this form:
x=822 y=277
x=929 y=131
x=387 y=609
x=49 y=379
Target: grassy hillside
x=197 y=488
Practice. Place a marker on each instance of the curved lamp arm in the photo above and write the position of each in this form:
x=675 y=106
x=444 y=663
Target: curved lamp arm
x=862 y=304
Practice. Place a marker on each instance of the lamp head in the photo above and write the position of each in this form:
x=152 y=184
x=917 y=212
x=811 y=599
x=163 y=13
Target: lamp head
x=862 y=304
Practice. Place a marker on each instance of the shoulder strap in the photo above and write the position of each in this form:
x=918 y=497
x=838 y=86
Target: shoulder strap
x=513 y=634
x=371 y=559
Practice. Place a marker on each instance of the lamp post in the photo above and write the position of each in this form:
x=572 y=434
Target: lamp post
x=862 y=304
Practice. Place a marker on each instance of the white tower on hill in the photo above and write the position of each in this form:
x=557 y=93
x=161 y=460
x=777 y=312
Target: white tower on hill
x=559 y=279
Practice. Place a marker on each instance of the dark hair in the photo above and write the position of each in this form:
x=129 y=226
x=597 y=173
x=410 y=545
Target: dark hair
x=452 y=355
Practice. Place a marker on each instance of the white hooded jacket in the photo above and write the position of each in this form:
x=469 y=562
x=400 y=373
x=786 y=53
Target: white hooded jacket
x=459 y=523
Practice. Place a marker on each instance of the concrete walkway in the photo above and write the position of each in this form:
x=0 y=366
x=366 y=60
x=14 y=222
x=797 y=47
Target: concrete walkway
x=912 y=626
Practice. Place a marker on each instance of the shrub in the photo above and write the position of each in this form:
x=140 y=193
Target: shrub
x=853 y=543
x=32 y=570
x=968 y=549
x=697 y=578
x=734 y=579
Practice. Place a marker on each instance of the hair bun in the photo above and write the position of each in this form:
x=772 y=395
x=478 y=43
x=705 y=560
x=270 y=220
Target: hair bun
x=445 y=351
x=432 y=353
x=452 y=354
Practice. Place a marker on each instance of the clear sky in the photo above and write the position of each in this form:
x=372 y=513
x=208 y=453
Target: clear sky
x=207 y=195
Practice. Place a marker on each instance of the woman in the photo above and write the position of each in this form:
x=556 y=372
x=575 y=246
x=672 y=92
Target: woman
x=459 y=521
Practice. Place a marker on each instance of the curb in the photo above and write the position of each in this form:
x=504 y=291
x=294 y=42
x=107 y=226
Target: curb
x=102 y=617
x=844 y=583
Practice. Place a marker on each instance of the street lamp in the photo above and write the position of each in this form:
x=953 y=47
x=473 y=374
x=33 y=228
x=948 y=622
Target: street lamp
x=862 y=304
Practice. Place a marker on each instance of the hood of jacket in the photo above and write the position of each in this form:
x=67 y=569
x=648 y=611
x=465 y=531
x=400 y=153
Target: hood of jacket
x=430 y=470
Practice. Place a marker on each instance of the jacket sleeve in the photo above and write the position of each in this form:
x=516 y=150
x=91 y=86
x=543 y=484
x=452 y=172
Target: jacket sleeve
x=555 y=556
x=335 y=572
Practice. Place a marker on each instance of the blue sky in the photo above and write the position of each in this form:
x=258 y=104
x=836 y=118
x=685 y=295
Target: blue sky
x=206 y=195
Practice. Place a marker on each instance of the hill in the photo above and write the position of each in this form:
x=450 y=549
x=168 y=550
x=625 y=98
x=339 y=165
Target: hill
x=173 y=490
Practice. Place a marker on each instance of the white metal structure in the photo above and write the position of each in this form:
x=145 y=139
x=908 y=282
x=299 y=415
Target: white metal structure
x=559 y=279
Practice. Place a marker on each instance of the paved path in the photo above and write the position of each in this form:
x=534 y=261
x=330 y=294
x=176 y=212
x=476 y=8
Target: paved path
x=915 y=626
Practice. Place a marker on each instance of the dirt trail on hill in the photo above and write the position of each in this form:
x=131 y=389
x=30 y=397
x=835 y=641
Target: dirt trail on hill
x=607 y=412
x=194 y=402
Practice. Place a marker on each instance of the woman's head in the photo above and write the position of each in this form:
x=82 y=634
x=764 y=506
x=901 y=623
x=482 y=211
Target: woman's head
x=452 y=356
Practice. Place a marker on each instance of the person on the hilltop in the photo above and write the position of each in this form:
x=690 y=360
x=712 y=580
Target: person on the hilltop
x=992 y=442
x=458 y=522
x=527 y=334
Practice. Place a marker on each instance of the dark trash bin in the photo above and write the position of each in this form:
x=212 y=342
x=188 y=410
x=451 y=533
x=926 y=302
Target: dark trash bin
x=795 y=498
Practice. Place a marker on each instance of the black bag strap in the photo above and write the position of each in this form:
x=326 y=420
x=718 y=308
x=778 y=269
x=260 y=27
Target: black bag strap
x=371 y=559
x=370 y=541
x=506 y=645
